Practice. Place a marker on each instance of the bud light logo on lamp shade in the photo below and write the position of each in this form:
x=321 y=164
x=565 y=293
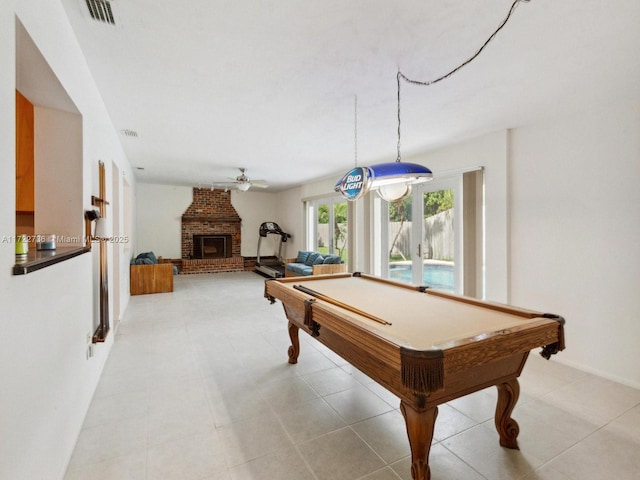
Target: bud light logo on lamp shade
x=355 y=183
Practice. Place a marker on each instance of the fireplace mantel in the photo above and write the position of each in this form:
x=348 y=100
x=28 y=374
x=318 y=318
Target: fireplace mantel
x=210 y=218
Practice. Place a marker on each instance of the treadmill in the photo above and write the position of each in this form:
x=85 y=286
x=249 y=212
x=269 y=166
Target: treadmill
x=273 y=268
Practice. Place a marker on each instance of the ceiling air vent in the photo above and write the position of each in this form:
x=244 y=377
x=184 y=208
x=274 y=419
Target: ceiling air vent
x=101 y=11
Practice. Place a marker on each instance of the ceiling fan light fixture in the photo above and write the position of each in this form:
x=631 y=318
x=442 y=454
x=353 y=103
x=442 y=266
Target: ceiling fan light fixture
x=242 y=183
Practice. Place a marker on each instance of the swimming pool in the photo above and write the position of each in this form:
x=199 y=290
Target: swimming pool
x=434 y=276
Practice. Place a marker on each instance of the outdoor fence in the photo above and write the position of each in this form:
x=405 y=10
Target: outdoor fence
x=437 y=241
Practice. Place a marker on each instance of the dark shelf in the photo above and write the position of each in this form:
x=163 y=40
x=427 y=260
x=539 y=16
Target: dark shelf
x=37 y=259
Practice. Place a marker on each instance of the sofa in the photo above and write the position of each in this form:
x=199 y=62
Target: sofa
x=149 y=274
x=313 y=263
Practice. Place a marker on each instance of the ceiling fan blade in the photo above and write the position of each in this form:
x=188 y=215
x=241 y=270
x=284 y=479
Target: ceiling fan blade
x=241 y=182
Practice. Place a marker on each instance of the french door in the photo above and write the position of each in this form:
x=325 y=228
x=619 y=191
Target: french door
x=424 y=236
x=327 y=231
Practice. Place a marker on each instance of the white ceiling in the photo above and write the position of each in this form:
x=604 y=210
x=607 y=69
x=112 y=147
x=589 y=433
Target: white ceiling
x=212 y=85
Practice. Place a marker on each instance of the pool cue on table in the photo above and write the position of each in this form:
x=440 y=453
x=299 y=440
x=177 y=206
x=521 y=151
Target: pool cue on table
x=338 y=303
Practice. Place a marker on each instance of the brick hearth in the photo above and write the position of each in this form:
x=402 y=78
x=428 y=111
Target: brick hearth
x=212 y=265
x=211 y=213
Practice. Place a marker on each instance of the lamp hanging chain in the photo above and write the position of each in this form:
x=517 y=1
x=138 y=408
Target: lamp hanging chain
x=355 y=128
x=447 y=75
x=398 y=80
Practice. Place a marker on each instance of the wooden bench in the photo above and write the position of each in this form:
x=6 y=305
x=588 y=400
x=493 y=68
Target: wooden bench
x=155 y=278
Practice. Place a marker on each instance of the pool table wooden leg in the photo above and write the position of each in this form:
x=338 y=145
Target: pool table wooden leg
x=507 y=427
x=294 y=349
x=420 y=424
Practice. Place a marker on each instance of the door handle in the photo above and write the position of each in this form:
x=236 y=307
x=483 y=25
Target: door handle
x=419 y=250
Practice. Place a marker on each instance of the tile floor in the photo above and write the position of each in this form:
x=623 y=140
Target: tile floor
x=197 y=387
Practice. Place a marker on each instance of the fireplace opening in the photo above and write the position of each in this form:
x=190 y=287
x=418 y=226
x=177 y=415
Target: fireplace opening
x=212 y=246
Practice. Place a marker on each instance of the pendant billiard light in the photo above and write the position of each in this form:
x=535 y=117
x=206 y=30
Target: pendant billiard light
x=393 y=180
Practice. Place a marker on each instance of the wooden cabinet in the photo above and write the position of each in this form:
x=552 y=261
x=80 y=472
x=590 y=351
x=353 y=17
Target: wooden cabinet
x=24 y=155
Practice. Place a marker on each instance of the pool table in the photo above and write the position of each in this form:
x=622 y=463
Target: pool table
x=426 y=346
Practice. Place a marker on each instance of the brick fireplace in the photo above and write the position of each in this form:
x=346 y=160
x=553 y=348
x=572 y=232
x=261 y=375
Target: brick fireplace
x=210 y=236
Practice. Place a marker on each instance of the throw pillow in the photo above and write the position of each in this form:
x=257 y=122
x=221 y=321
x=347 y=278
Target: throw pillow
x=311 y=258
x=302 y=256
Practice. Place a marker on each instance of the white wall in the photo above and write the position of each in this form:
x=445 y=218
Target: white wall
x=159 y=211
x=290 y=218
x=160 y=208
x=254 y=208
x=58 y=173
x=575 y=234
x=46 y=379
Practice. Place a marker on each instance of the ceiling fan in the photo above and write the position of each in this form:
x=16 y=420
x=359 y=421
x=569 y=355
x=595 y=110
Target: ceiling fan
x=241 y=182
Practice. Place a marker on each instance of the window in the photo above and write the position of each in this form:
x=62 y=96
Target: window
x=327 y=226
